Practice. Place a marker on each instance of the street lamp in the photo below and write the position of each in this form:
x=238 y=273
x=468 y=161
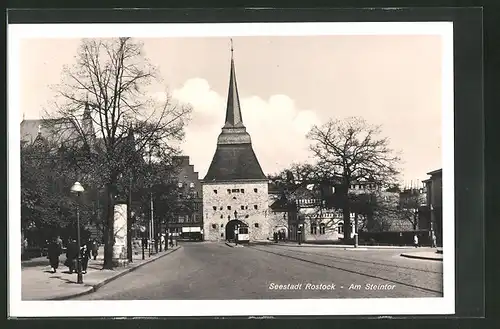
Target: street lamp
x=77 y=188
x=236 y=230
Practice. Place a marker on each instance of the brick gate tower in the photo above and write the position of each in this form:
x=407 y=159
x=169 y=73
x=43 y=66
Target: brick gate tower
x=235 y=189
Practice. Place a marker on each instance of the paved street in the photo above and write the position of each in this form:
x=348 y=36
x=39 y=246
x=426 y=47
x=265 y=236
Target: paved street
x=217 y=271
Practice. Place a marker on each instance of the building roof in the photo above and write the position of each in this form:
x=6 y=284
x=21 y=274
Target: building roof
x=435 y=172
x=234 y=162
x=57 y=130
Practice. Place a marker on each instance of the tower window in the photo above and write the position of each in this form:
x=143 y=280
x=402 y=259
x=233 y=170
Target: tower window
x=246 y=207
x=255 y=190
x=229 y=191
x=214 y=207
x=322 y=228
x=234 y=198
x=256 y=224
x=221 y=225
x=221 y=216
x=214 y=225
x=235 y=190
x=221 y=208
x=228 y=207
x=215 y=191
x=246 y=216
x=255 y=207
x=242 y=190
x=222 y=235
x=242 y=207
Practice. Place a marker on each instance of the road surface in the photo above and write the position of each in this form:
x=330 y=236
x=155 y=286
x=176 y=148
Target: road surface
x=217 y=271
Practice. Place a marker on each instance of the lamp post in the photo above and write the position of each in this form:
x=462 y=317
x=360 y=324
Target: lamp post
x=143 y=244
x=77 y=188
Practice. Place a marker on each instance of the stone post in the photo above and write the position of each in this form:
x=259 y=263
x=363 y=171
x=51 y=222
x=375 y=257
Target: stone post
x=120 y=232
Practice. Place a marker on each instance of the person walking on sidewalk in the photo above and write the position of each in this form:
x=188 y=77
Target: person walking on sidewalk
x=71 y=255
x=54 y=251
x=95 y=249
x=415 y=240
x=434 y=240
x=84 y=256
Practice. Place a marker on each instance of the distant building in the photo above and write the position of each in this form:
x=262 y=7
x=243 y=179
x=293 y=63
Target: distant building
x=188 y=222
x=235 y=189
x=434 y=202
x=60 y=131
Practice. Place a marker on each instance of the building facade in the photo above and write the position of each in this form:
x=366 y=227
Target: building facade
x=434 y=194
x=188 y=221
x=235 y=189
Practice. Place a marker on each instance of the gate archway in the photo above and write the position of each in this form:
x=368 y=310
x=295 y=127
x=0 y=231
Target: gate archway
x=231 y=226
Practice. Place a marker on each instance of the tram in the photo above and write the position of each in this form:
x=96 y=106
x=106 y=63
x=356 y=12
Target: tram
x=243 y=236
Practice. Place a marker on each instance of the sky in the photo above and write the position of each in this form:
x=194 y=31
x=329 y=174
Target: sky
x=286 y=85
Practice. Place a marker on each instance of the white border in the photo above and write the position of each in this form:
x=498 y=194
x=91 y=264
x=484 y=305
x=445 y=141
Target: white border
x=369 y=306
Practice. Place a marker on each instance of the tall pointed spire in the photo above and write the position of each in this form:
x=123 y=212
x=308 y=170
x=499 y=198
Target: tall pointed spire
x=233 y=110
x=234 y=158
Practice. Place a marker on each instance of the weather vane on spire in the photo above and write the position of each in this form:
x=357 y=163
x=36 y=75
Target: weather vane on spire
x=232 y=47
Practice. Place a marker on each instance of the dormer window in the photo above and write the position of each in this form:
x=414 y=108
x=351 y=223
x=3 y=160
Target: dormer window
x=242 y=207
x=242 y=190
x=214 y=207
x=215 y=191
x=255 y=207
x=228 y=207
x=229 y=191
x=255 y=190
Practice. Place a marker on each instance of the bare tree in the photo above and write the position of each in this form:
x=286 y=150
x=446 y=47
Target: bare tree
x=109 y=83
x=410 y=206
x=352 y=151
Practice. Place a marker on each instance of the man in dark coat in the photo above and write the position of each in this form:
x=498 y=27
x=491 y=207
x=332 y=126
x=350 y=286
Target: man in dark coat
x=54 y=251
x=95 y=249
x=84 y=256
x=71 y=255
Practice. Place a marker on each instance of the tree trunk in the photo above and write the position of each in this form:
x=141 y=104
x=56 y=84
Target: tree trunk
x=109 y=234
x=346 y=212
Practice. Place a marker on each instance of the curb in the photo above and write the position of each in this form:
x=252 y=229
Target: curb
x=233 y=246
x=95 y=287
x=421 y=257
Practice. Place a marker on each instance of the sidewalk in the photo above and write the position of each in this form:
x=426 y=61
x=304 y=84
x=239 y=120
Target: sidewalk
x=429 y=254
x=38 y=283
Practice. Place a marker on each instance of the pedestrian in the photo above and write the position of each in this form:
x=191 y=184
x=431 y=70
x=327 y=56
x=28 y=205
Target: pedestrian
x=84 y=256
x=54 y=251
x=95 y=249
x=434 y=242
x=415 y=240
x=71 y=255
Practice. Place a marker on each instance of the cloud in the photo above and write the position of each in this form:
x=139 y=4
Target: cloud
x=276 y=125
